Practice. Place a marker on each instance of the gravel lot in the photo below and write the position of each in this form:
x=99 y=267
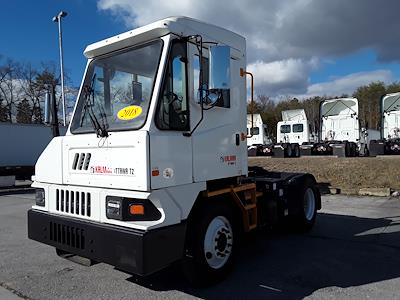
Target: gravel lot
x=353 y=252
x=345 y=173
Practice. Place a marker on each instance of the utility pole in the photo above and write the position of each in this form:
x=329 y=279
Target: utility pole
x=57 y=19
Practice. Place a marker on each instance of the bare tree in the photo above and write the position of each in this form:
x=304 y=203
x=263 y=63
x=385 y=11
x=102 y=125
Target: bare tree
x=9 y=87
x=32 y=92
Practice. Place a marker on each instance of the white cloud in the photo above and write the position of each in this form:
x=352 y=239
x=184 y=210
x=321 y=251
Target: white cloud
x=284 y=76
x=346 y=84
x=284 y=37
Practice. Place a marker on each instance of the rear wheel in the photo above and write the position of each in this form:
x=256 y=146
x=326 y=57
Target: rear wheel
x=308 y=212
x=354 y=152
x=347 y=149
x=211 y=244
x=309 y=204
x=296 y=150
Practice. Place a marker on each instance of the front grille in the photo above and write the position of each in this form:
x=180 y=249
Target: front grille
x=67 y=235
x=73 y=202
x=81 y=161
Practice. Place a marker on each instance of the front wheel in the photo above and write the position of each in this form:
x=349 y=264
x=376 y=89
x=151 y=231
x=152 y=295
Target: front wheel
x=289 y=152
x=211 y=244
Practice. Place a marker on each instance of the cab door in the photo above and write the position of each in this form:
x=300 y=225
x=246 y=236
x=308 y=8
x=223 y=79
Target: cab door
x=170 y=150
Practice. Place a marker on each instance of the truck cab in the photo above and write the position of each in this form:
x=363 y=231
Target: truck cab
x=389 y=140
x=142 y=87
x=339 y=120
x=291 y=132
x=391 y=116
x=157 y=134
x=294 y=127
x=258 y=141
x=340 y=132
x=260 y=135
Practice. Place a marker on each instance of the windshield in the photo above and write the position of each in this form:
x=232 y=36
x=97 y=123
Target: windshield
x=285 y=128
x=298 y=128
x=391 y=103
x=339 y=107
x=117 y=90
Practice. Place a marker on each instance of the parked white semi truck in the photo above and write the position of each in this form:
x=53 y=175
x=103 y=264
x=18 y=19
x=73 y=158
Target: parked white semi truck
x=340 y=132
x=153 y=168
x=291 y=132
x=258 y=143
x=389 y=141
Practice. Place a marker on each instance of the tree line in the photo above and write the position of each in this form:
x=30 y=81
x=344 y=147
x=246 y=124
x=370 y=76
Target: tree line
x=368 y=96
x=22 y=90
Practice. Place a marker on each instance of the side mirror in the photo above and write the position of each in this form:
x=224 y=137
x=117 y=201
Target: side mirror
x=255 y=131
x=219 y=66
x=47 y=107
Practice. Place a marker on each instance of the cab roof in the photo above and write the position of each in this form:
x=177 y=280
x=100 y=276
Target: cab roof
x=181 y=26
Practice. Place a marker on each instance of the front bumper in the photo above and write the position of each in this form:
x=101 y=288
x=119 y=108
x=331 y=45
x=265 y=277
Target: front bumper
x=133 y=251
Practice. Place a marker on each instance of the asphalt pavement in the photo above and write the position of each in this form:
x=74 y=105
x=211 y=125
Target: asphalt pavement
x=352 y=252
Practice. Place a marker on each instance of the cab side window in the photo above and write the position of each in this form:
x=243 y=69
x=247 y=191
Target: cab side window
x=173 y=109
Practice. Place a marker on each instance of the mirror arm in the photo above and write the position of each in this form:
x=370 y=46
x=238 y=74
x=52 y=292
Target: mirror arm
x=242 y=74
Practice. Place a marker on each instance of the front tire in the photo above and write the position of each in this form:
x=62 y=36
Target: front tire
x=289 y=152
x=211 y=244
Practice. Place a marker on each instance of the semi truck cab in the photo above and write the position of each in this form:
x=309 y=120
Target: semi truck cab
x=340 y=132
x=388 y=141
x=292 y=132
x=153 y=168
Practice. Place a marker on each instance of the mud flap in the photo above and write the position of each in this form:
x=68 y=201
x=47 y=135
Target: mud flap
x=339 y=150
x=376 y=148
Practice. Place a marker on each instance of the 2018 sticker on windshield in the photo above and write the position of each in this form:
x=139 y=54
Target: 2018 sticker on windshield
x=129 y=112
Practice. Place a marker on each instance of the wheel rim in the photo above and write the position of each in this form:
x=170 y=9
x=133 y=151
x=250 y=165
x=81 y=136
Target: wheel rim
x=218 y=242
x=309 y=204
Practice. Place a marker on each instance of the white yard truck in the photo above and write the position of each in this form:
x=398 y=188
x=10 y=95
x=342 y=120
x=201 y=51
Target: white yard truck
x=340 y=131
x=389 y=141
x=153 y=168
x=291 y=132
x=258 y=143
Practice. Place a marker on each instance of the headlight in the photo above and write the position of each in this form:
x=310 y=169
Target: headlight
x=40 y=197
x=127 y=209
x=113 y=208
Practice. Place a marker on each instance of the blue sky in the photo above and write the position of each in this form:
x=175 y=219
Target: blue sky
x=360 y=61
x=29 y=34
x=295 y=47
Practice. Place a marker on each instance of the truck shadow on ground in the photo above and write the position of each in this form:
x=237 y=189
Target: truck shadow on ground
x=341 y=251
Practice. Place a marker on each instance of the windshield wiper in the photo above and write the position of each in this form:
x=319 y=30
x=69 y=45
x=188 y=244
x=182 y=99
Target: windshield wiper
x=100 y=129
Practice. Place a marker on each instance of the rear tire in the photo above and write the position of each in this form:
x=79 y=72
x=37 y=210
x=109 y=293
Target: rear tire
x=296 y=150
x=347 y=149
x=211 y=244
x=355 y=152
x=309 y=196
